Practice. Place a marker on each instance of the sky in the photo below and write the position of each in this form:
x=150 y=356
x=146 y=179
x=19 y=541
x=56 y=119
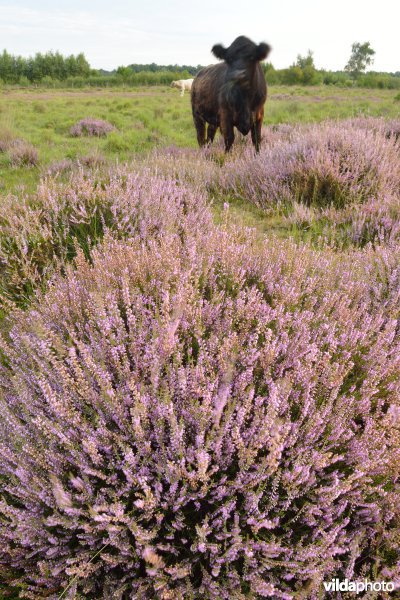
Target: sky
x=120 y=32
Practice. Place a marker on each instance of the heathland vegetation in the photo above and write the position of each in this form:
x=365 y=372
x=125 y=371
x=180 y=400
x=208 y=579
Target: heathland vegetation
x=35 y=124
x=199 y=352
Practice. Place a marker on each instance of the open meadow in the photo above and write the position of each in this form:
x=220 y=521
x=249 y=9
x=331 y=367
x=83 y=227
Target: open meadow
x=199 y=352
x=147 y=118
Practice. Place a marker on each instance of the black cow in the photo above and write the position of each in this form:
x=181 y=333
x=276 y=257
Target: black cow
x=231 y=94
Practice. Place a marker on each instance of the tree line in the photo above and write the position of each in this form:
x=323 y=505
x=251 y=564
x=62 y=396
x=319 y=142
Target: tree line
x=52 y=69
x=154 y=68
x=53 y=65
x=304 y=72
x=296 y=75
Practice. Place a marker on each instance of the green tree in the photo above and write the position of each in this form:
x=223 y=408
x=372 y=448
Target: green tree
x=270 y=73
x=292 y=76
x=305 y=61
x=361 y=57
x=310 y=75
x=7 y=67
x=82 y=65
x=124 y=73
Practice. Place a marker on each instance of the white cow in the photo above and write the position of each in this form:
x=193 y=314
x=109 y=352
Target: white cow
x=183 y=84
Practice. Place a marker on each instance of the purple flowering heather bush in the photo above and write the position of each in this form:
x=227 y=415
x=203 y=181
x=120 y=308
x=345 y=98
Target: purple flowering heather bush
x=22 y=154
x=91 y=127
x=389 y=128
x=94 y=161
x=340 y=180
x=374 y=221
x=59 y=166
x=202 y=418
x=324 y=165
x=40 y=234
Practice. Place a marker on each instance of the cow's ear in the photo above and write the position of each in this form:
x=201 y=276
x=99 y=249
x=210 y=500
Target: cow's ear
x=219 y=51
x=262 y=51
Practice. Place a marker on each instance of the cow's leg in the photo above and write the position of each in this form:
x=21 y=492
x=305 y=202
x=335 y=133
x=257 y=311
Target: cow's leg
x=200 y=125
x=256 y=129
x=182 y=91
x=211 y=131
x=227 y=131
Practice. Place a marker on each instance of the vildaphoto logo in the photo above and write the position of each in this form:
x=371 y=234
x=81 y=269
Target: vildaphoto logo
x=336 y=585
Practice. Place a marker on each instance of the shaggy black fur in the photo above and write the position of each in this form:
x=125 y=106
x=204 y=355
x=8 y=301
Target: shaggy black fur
x=231 y=94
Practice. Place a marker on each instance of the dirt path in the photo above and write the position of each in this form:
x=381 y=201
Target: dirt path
x=51 y=94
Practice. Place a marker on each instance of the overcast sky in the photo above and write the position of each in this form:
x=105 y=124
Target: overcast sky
x=120 y=32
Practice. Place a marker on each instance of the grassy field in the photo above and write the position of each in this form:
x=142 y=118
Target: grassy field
x=144 y=119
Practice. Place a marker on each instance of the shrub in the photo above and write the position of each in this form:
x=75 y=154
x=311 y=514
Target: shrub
x=323 y=165
x=202 y=419
x=375 y=222
x=93 y=160
x=60 y=166
x=40 y=234
x=91 y=127
x=292 y=76
x=22 y=154
x=23 y=81
x=339 y=181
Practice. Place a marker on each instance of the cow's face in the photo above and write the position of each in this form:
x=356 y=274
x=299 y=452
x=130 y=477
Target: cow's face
x=241 y=59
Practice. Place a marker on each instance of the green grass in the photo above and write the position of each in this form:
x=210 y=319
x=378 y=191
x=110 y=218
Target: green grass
x=144 y=119
x=149 y=117
x=307 y=104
